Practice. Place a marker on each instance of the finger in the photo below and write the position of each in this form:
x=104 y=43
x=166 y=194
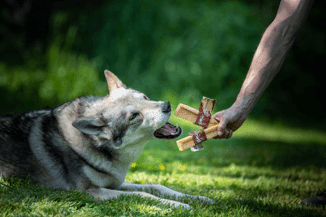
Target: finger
x=225 y=135
x=229 y=135
x=221 y=127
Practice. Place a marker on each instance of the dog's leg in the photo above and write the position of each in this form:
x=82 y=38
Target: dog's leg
x=161 y=190
x=105 y=194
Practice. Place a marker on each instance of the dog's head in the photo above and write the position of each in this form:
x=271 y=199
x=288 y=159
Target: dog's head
x=128 y=117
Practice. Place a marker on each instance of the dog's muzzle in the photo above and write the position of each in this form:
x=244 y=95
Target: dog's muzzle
x=168 y=131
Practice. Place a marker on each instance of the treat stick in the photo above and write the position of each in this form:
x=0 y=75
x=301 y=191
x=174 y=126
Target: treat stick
x=190 y=114
x=188 y=142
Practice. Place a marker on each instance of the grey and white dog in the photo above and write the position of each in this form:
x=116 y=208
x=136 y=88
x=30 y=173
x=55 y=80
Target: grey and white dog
x=89 y=143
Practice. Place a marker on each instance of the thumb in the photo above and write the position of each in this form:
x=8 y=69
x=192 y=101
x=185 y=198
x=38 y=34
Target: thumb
x=221 y=126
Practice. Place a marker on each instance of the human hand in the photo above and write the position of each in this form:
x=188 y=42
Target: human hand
x=229 y=121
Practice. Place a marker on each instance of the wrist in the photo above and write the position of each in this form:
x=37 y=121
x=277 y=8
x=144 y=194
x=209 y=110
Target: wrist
x=243 y=105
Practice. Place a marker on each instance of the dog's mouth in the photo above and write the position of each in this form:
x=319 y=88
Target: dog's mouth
x=168 y=131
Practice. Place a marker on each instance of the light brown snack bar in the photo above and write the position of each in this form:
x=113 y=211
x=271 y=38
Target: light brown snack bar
x=190 y=114
x=188 y=142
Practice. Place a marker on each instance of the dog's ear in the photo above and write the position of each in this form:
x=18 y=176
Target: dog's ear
x=92 y=126
x=113 y=81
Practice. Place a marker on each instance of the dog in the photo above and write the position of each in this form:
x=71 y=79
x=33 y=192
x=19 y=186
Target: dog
x=89 y=143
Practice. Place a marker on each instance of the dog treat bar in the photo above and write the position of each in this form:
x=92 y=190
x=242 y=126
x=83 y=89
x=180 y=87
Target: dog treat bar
x=201 y=117
x=190 y=114
x=188 y=141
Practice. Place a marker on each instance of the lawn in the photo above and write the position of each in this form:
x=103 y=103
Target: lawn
x=263 y=170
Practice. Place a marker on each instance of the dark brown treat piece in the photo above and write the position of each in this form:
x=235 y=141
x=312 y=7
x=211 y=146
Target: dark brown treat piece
x=205 y=112
x=198 y=136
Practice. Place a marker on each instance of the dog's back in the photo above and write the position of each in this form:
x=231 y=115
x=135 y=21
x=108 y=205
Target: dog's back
x=32 y=145
x=16 y=156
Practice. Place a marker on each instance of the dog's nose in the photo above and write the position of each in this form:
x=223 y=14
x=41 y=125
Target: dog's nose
x=166 y=107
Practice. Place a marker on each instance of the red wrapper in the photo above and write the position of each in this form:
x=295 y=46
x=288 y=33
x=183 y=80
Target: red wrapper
x=198 y=136
x=205 y=112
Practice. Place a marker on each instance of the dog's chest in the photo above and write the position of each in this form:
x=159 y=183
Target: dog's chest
x=113 y=179
x=117 y=171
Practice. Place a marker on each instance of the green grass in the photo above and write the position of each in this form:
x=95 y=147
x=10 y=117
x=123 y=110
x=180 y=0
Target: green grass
x=263 y=170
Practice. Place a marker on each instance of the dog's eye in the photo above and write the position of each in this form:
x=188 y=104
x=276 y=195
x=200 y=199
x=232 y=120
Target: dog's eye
x=145 y=97
x=133 y=116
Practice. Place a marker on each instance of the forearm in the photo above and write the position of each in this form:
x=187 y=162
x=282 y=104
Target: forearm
x=266 y=62
x=271 y=52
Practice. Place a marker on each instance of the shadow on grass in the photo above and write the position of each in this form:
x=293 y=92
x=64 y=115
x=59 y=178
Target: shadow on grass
x=250 y=152
x=293 y=161
x=267 y=153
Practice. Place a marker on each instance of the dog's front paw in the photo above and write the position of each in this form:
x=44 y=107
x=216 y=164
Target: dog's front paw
x=176 y=204
x=206 y=199
x=182 y=205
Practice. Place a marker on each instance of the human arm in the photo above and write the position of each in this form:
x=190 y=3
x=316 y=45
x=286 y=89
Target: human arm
x=267 y=61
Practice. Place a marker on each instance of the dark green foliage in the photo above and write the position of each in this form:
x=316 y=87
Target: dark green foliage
x=189 y=48
x=177 y=51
